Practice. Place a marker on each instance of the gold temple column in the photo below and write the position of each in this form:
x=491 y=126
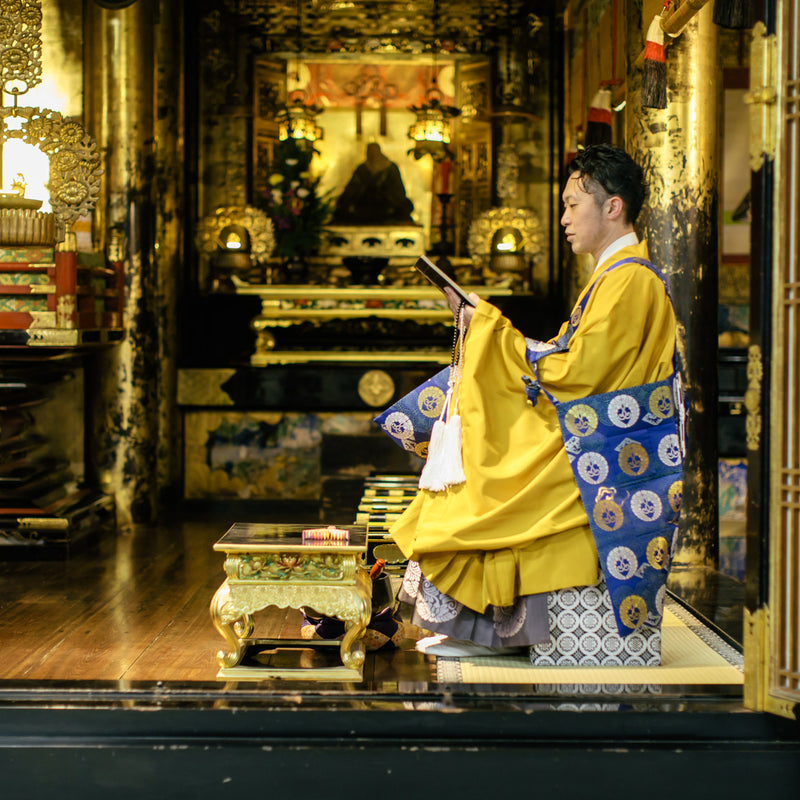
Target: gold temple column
x=679 y=149
x=168 y=249
x=124 y=380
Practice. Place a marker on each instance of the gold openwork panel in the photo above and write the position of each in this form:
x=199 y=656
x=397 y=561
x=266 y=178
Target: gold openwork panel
x=784 y=680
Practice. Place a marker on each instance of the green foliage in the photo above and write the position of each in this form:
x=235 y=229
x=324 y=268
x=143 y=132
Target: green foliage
x=294 y=203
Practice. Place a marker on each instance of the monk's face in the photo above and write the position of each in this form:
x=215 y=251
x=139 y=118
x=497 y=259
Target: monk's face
x=584 y=219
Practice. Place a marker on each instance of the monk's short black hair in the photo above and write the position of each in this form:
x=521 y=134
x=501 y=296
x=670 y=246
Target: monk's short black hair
x=615 y=172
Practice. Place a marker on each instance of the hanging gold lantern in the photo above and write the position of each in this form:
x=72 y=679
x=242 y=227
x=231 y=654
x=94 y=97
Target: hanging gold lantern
x=297 y=120
x=431 y=132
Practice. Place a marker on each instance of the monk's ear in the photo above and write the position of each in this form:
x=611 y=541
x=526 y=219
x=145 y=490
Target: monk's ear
x=616 y=208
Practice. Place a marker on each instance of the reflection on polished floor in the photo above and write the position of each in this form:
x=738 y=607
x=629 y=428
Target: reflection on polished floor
x=135 y=607
x=133 y=610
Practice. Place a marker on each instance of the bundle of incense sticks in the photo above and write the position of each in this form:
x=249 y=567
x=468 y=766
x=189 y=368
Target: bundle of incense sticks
x=329 y=534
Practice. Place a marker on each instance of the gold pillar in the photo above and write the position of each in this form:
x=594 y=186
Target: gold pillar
x=679 y=149
x=169 y=215
x=124 y=385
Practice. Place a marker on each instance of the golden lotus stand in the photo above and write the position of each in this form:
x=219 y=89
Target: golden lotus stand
x=274 y=565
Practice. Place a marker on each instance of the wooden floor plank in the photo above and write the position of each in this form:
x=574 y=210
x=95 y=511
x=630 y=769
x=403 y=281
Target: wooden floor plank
x=135 y=608
x=90 y=618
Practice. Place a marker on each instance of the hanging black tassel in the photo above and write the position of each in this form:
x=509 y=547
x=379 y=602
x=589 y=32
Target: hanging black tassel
x=598 y=123
x=654 y=70
x=736 y=14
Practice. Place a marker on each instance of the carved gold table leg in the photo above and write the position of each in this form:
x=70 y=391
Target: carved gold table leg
x=352 y=646
x=226 y=620
x=244 y=627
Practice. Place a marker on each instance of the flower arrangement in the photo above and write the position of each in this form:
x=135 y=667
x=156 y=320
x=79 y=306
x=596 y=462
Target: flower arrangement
x=293 y=202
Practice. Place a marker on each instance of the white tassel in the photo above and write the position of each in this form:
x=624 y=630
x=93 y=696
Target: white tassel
x=430 y=477
x=452 y=468
x=444 y=467
x=680 y=404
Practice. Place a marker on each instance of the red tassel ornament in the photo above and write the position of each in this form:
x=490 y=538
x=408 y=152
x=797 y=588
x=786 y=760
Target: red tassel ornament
x=598 y=123
x=654 y=70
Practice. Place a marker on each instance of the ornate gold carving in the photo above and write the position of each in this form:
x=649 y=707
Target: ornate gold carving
x=762 y=96
x=20 y=45
x=224 y=615
x=479 y=240
x=349 y=27
x=74 y=162
x=24 y=226
x=235 y=602
x=284 y=306
x=255 y=221
x=752 y=397
x=289 y=566
x=376 y=388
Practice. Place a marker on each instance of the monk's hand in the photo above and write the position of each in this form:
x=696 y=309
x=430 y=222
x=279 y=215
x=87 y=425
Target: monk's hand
x=454 y=301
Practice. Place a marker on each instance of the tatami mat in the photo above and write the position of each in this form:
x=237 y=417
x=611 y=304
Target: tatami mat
x=691 y=654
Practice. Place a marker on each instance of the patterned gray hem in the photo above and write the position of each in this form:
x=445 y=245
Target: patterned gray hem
x=525 y=623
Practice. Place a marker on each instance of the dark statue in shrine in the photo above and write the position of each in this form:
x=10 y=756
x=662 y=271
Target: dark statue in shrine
x=375 y=194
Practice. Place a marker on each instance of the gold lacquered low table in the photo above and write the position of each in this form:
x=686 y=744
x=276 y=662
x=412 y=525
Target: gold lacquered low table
x=272 y=565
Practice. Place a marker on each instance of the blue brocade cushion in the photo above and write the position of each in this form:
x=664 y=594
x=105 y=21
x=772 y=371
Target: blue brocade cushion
x=410 y=420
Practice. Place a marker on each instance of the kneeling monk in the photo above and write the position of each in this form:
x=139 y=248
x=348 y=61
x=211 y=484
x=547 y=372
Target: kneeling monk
x=485 y=553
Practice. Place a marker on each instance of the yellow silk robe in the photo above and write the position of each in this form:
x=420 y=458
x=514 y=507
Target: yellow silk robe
x=517 y=525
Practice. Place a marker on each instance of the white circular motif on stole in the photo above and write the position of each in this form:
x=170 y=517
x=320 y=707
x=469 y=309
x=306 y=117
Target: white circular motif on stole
x=433 y=606
x=659 y=601
x=622 y=563
x=400 y=426
x=593 y=468
x=623 y=411
x=411 y=578
x=646 y=505
x=508 y=620
x=669 y=450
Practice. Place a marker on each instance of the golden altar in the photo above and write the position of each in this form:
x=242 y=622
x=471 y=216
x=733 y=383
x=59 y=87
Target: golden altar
x=276 y=565
x=284 y=306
